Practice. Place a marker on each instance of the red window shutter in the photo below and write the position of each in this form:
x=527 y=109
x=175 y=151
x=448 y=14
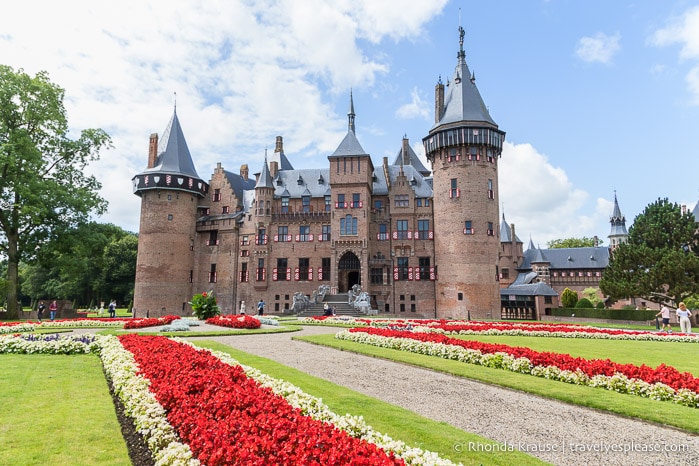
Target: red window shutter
x=274 y=274
x=430 y=234
x=433 y=275
x=298 y=238
x=310 y=274
x=297 y=274
x=395 y=273
x=417 y=273
x=320 y=273
x=410 y=273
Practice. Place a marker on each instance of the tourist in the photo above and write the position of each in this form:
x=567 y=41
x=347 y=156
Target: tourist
x=112 y=308
x=53 y=307
x=242 y=308
x=326 y=310
x=261 y=307
x=683 y=314
x=665 y=314
x=40 y=310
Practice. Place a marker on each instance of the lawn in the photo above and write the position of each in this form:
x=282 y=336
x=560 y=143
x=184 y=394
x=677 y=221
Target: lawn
x=57 y=410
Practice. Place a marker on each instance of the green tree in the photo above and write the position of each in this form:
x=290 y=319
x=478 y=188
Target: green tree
x=592 y=294
x=660 y=258
x=569 y=298
x=43 y=186
x=583 y=242
x=119 y=269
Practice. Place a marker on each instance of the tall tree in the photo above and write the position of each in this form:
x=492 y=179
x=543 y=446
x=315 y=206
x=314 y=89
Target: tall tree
x=43 y=187
x=583 y=242
x=660 y=258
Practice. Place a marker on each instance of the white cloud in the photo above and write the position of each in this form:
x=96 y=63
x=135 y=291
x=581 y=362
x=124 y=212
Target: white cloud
x=685 y=31
x=540 y=199
x=417 y=108
x=599 y=48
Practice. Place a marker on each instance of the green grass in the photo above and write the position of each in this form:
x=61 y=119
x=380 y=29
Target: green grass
x=626 y=405
x=399 y=423
x=57 y=410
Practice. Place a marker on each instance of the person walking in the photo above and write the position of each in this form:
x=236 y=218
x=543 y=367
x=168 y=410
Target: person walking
x=40 y=310
x=684 y=314
x=261 y=307
x=665 y=314
x=112 y=308
x=53 y=307
x=242 y=308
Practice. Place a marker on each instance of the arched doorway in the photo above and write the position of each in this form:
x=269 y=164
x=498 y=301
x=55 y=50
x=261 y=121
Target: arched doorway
x=348 y=272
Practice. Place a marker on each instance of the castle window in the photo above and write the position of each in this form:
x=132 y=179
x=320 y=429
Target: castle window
x=261 y=237
x=454 y=155
x=213 y=238
x=245 y=241
x=460 y=296
x=356 y=202
x=303 y=269
x=244 y=276
x=169 y=197
x=412 y=307
x=216 y=196
x=454 y=191
x=402 y=200
x=402 y=231
x=226 y=209
x=489 y=156
x=304 y=233
x=244 y=253
x=506 y=274
x=282 y=271
x=328 y=203
x=402 y=268
x=285 y=204
x=548 y=300
x=306 y=203
x=348 y=225
x=191 y=276
x=283 y=235
x=383 y=232
x=324 y=270
x=376 y=275
x=260 y=273
x=169 y=217
x=325 y=233
x=340 y=204
x=491 y=195
x=378 y=204
x=474 y=155
x=490 y=230
x=212 y=274
x=468 y=227
x=423 y=229
x=423 y=272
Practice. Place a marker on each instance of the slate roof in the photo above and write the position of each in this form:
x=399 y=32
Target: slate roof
x=238 y=184
x=421 y=185
x=567 y=258
x=506 y=233
x=173 y=154
x=618 y=221
x=412 y=159
x=531 y=289
x=462 y=101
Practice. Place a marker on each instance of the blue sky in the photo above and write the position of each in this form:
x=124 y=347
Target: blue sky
x=595 y=96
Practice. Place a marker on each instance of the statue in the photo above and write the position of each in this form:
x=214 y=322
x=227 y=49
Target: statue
x=300 y=302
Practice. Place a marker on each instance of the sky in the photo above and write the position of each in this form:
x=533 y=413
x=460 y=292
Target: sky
x=597 y=98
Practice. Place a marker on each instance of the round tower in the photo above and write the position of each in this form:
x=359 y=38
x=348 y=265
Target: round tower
x=464 y=146
x=170 y=190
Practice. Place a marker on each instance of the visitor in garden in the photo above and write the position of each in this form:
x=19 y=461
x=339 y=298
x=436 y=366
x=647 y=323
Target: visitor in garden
x=665 y=314
x=683 y=314
x=53 y=307
x=261 y=307
x=326 y=310
x=242 y=308
x=112 y=308
x=40 y=310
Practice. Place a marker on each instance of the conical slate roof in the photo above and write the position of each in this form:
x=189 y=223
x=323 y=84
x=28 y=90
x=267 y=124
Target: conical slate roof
x=173 y=153
x=462 y=101
x=350 y=144
x=618 y=221
x=265 y=180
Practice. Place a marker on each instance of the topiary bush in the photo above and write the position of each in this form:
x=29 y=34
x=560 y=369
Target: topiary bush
x=569 y=298
x=584 y=303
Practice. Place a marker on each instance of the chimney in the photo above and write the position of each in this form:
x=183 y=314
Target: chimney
x=152 y=150
x=438 y=101
x=244 y=172
x=279 y=145
x=273 y=168
x=514 y=237
x=595 y=241
x=406 y=151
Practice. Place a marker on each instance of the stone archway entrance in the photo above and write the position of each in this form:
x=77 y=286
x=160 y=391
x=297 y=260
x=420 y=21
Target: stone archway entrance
x=348 y=272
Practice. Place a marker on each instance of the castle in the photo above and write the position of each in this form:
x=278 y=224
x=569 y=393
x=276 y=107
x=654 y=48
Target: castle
x=419 y=245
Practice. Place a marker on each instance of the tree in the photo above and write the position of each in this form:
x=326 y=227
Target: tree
x=43 y=187
x=583 y=242
x=660 y=258
x=592 y=294
x=569 y=298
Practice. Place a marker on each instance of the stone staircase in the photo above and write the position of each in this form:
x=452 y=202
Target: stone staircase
x=338 y=301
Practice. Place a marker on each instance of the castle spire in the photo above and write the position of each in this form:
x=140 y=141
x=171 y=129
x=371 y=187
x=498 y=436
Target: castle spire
x=618 y=234
x=350 y=115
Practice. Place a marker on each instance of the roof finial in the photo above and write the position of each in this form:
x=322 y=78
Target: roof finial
x=175 y=92
x=350 y=115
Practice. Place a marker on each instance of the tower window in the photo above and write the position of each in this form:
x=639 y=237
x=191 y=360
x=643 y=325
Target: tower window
x=490 y=231
x=468 y=227
x=454 y=191
x=491 y=195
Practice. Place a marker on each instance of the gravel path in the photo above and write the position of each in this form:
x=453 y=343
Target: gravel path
x=563 y=434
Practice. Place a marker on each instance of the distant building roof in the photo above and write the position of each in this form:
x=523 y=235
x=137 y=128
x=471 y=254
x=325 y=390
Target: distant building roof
x=567 y=258
x=173 y=154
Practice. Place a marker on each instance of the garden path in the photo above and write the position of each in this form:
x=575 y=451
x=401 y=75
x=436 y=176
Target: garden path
x=515 y=418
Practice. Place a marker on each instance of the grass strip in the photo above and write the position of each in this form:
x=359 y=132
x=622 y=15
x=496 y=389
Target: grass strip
x=43 y=420
x=664 y=413
x=401 y=424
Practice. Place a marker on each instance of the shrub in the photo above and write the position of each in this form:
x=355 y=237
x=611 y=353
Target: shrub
x=569 y=298
x=584 y=303
x=204 y=305
x=600 y=305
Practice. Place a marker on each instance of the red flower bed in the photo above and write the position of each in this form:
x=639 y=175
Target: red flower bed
x=149 y=322
x=227 y=418
x=234 y=321
x=591 y=367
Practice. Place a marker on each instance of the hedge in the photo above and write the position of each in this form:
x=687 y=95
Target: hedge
x=612 y=314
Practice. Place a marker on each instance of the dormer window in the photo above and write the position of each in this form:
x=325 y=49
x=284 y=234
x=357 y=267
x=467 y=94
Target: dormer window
x=299 y=181
x=321 y=180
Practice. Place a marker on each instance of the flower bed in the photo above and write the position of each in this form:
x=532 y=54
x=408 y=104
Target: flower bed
x=661 y=383
x=235 y=321
x=149 y=322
